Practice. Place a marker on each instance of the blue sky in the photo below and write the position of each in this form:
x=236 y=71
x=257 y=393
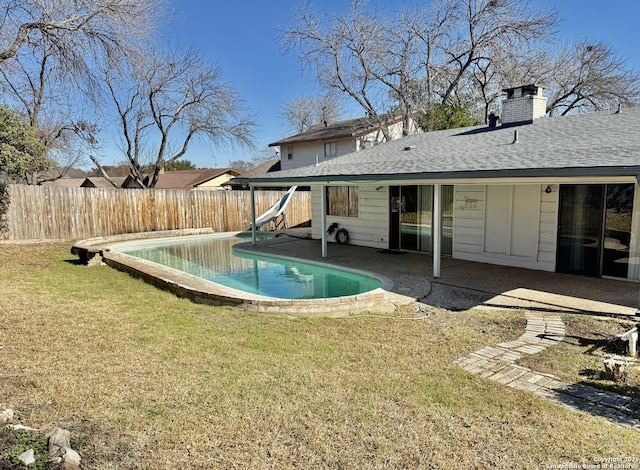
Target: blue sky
x=241 y=37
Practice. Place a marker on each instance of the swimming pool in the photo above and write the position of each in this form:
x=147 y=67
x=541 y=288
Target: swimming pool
x=214 y=259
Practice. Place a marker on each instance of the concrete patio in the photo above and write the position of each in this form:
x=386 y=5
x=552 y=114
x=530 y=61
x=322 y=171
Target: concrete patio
x=465 y=284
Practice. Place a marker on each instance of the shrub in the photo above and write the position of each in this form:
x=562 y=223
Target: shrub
x=13 y=444
x=4 y=206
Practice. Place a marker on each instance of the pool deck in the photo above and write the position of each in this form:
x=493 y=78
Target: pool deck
x=105 y=251
x=465 y=284
x=408 y=278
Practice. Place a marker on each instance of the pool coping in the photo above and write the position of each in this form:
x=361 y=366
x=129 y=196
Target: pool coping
x=104 y=250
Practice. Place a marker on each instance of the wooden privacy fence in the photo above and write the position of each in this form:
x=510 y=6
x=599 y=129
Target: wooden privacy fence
x=48 y=213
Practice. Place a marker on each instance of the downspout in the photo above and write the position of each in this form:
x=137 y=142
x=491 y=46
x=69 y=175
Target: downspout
x=323 y=219
x=253 y=216
x=437 y=231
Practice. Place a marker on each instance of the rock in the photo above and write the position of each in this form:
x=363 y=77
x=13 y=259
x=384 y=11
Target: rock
x=21 y=427
x=60 y=446
x=615 y=370
x=59 y=441
x=71 y=460
x=95 y=260
x=28 y=457
x=6 y=415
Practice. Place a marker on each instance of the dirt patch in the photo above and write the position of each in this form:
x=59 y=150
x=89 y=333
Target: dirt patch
x=579 y=357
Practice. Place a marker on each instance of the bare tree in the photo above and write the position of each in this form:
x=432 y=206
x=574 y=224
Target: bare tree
x=165 y=100
x=50 y=50
x=36 y=86
x=303 y=112
x=480 y=29
x=371 y=57
x=76 y=29
x=589 y=76
x=346 y=54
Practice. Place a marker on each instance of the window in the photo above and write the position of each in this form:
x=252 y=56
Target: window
x=290 y=152
x=342 y=201
x=329 y=149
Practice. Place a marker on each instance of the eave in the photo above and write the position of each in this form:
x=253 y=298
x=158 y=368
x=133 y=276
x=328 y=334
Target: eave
x=507 y=176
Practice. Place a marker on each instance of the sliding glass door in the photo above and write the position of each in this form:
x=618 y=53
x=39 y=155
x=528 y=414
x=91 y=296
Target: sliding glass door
x=617 y=230
x=416 y=217
x=594 y=230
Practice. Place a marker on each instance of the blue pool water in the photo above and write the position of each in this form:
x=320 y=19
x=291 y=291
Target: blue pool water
x=212 y=258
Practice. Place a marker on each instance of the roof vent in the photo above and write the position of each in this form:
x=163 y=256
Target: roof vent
x=409 y=147
x=515 y=137
x=619 y=110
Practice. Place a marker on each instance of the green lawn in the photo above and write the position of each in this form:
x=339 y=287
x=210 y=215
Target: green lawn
x=143 y=379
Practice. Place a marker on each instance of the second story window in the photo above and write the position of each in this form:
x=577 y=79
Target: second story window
x=329 y=149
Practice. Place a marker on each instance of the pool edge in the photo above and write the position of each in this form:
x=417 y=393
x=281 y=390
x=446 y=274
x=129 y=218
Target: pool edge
x=202 y=291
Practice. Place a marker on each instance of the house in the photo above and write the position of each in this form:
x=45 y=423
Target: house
x=203 y=179
x=267 y=167
x=88 y=182
x=329 y=140
x=101 y=182
x=553 y=194
x=65 y=182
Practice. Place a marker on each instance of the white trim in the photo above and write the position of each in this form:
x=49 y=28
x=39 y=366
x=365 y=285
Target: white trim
x=331 y=181
x=253 y=216
x=323 y=219
x=437 y=232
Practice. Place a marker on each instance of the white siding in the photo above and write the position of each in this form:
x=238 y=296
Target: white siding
x=547 y=243
x=513 y=225
x=498 y=210
x=525 y=221
x=370 y=228
x=305 y=154
x=468 y=220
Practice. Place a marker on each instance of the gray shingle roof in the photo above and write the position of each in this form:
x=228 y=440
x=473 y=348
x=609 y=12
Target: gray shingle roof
x=601 y=143
x=337 y=130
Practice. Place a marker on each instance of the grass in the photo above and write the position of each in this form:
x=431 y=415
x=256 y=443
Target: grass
x=145 y=380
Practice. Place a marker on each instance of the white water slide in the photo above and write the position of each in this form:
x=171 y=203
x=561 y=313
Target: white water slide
x=276 y=211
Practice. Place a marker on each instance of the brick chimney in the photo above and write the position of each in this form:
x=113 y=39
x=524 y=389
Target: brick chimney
x=523 y=105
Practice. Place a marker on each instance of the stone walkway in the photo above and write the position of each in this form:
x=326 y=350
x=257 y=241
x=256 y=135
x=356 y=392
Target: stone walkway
x=545 y=329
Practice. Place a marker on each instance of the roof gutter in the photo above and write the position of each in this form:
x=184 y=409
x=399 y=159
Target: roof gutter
x=572 y=172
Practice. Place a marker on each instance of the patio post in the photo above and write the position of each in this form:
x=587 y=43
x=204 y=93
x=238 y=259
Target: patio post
x=253 y=215
x=437 y=232
x=323 y=219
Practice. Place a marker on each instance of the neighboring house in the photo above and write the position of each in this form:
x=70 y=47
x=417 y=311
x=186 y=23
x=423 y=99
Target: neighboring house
x=205 y=179
x=329 y=140
x=267 y=167
x=65 y=182
x=88 y=182
x=554 y=194
x=101 y=182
